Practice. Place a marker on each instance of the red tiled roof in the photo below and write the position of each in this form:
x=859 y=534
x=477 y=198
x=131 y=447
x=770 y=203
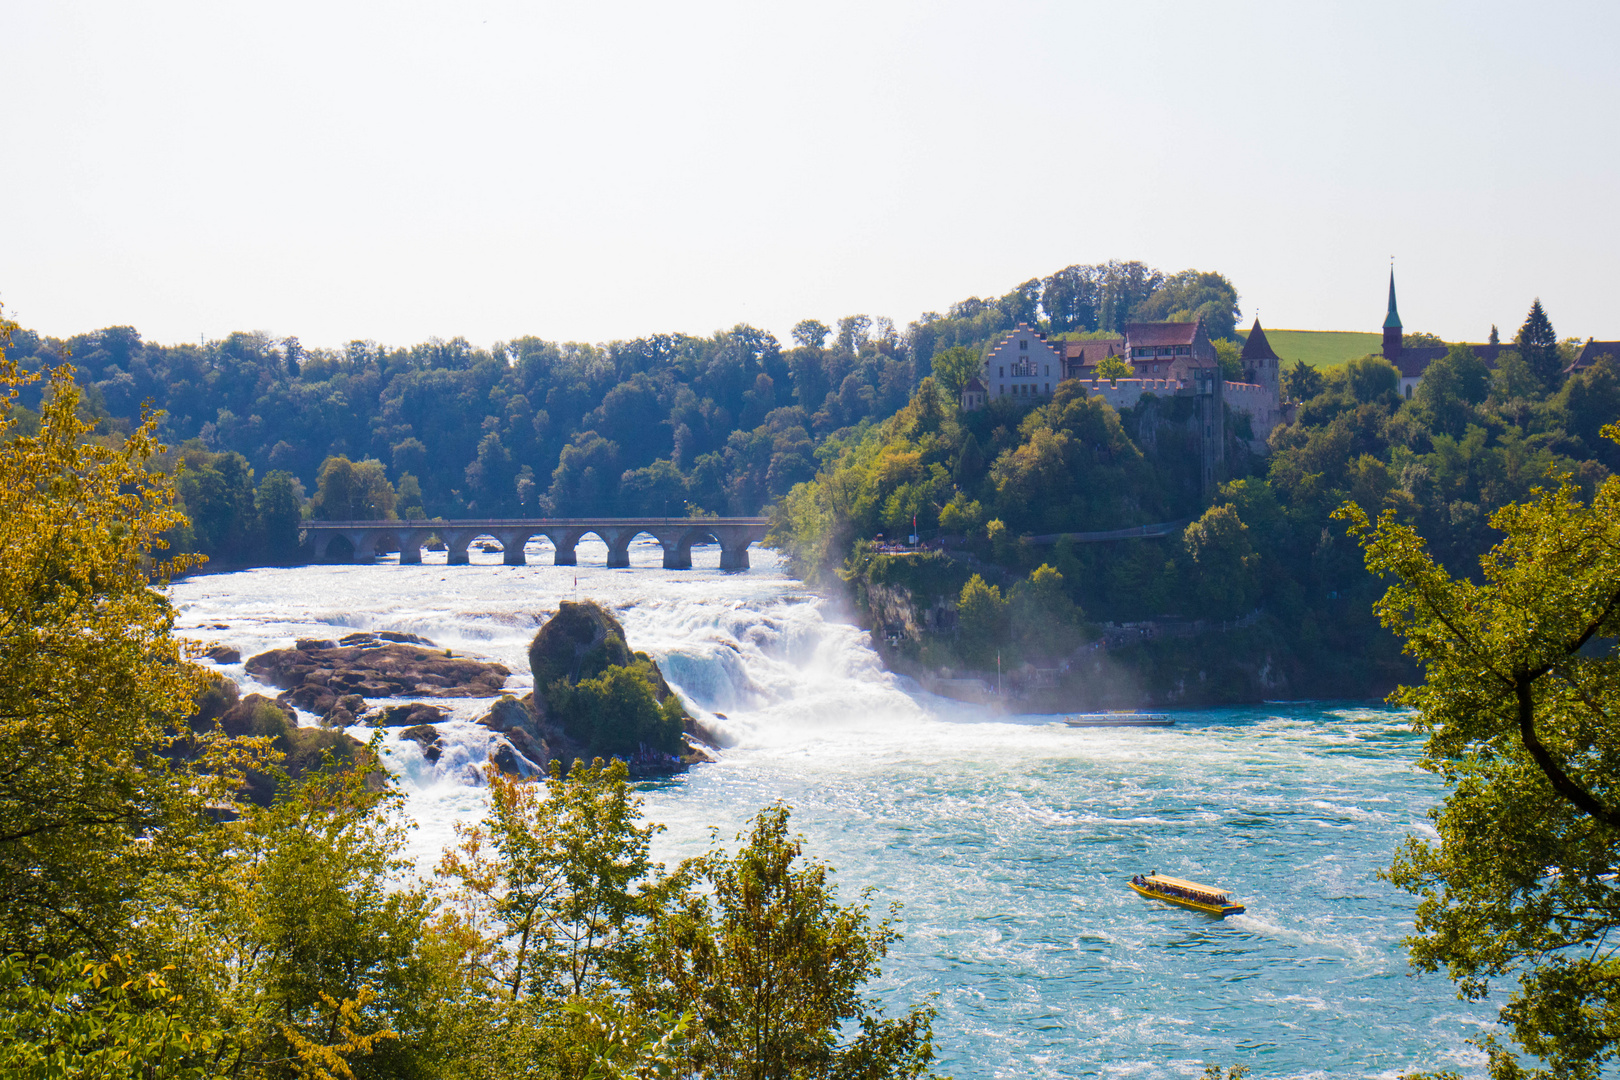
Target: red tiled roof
x=1091 y=352
x=974 y=385
x=1161 y=333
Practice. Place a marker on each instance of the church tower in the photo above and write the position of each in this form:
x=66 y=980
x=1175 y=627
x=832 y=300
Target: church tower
x=1392 y=325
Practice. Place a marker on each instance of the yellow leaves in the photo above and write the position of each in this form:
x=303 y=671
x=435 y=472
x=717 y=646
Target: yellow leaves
x=898 y=466
x=331 y=1061
x=91 y=680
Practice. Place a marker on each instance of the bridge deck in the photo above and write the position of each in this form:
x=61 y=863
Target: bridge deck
x=511 y=523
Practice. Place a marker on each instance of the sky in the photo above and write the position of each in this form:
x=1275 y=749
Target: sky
x=587 y=172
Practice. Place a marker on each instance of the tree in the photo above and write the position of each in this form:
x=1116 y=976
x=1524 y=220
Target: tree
x=1047 y=621
x=92 y=812
x=1192 y=295
x=811 y=334
x=616 y=713
x=217 y=493
x=773 y=969
x=981 y=620
x=304 y=934
x=1450 y=388
x=1372 y=378
x=279 y=505
x=353 y=491
x=1519 y=707
x=955 y=367
x=1538 y=345
x=1113 y=368
x=1225 y=562
x=1230 y=356
x=91 y=1017
x=1303 y=382
x=545 y=893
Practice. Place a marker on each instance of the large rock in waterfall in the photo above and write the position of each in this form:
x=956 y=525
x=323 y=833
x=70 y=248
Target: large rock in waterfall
x=316 y=675
x=594 y=697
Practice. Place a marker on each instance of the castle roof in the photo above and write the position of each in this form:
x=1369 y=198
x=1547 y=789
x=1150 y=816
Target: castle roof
x=1257 y=347
x=1162 y=333
x=1091 y=352
x=974 y=386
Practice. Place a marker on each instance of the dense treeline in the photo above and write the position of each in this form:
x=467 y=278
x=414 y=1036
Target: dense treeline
x=726 y=423
x=1265 y=553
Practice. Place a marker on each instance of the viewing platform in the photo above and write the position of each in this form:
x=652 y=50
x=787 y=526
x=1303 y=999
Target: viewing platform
x=360 y=540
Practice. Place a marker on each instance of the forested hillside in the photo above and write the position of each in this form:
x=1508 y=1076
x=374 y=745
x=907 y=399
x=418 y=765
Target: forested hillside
x=267 y=430
x=1260 y=595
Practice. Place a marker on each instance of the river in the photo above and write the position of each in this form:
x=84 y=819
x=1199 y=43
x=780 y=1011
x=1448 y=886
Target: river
x=1008 y=839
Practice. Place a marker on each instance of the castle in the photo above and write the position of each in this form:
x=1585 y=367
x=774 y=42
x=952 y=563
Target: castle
x=1175 y=359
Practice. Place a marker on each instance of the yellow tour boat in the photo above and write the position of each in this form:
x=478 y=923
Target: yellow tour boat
x=1189 y=894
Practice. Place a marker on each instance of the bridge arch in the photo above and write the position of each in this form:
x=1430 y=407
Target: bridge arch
x=358 y=540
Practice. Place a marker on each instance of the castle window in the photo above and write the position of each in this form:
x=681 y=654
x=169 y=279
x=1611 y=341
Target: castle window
x=1182 y=350
x=1024 y=345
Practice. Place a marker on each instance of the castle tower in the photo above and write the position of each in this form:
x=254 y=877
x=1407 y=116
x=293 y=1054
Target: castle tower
x=1392 y=325
x=1260 y=364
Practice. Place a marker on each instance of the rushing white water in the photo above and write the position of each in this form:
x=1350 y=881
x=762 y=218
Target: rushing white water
x=1008 y=839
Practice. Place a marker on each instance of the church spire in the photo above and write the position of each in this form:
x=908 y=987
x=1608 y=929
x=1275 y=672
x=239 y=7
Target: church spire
x=1392 y=325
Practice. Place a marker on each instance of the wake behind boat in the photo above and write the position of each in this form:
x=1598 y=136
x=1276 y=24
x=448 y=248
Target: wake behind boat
x=1209 y=899
x=1118 y=719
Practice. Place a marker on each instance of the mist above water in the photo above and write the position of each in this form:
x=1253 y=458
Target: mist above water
x=1007 y=838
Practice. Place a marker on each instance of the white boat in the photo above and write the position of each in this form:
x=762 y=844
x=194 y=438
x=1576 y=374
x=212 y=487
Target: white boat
x=1118 y=719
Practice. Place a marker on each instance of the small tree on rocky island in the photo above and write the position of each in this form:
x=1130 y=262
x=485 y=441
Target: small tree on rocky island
x=1521 y=705
x=606 y=698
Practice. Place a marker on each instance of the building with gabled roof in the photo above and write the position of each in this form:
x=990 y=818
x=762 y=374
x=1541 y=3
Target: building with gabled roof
x=974 y=395
x=1591 y=352
x=1022 y=364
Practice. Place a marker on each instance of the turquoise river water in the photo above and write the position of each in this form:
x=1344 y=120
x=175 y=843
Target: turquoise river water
x=1008 y=839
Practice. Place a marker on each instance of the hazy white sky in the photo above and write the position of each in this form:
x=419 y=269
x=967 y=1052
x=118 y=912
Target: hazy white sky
x=594 y=171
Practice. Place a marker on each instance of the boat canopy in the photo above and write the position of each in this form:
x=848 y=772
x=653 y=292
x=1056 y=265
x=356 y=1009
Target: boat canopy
x=1189 y=886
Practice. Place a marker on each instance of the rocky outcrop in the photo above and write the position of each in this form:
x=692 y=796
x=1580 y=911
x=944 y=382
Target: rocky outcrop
x=413 y=715
x=302 y=749
x=523 y=730
x=223 y=654
x=579 y=642
x=317 y=675
x=584 y=641
x=427 y=737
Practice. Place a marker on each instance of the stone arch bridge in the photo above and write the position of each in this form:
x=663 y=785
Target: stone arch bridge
x=675 y=535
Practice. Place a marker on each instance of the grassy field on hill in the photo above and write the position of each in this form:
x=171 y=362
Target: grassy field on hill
x=1323 y=348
